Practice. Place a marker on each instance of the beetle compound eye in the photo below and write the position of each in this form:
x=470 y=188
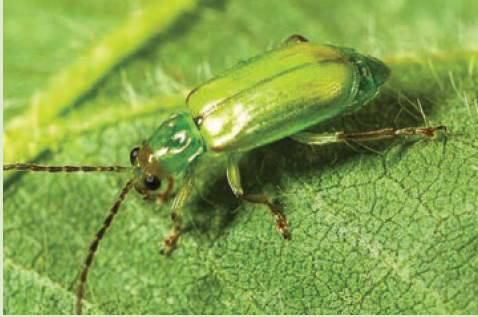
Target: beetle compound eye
x=134 y=155
x=152 y=182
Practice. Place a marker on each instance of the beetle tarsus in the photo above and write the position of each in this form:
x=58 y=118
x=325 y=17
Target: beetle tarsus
x=169 y=243
x=283 y=227
x=281 y=221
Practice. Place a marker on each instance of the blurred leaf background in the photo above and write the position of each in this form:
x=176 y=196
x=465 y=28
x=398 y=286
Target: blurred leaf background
x=389 y=228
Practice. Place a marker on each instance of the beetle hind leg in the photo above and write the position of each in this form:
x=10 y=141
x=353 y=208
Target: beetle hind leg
x=387 y=133
x=234 y=178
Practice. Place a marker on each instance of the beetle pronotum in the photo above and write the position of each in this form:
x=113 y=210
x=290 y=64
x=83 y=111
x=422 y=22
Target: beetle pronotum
x=271 y=96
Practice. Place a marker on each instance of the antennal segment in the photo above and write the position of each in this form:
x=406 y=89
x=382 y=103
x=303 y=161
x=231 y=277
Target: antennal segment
x=32 y=167
x=94 y=245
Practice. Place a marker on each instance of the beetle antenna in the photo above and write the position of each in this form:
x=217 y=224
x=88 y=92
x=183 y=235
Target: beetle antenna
x=32 y=167
x=94 y=245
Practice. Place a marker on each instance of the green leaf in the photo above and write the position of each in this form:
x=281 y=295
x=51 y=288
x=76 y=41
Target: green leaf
x=384 y=227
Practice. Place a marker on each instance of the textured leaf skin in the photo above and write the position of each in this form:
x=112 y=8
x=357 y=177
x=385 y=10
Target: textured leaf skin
x=391 y=233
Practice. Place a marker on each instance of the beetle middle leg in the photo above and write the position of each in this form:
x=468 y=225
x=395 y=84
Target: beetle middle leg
x=387 y=133
x=234 y=178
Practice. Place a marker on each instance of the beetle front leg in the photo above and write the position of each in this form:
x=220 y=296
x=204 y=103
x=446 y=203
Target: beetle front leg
x=184 y=193
x=160 y=198
x=234 y=178
x=163 y=197
x=387 y=133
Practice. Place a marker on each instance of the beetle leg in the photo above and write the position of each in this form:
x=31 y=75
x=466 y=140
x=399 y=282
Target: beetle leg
x=184 y=193
x=387 y=133
x=234 y=178
x=163 y=197
x=316 y=138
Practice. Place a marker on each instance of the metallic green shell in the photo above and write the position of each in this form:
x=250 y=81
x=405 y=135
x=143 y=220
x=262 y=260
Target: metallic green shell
x=281 y=92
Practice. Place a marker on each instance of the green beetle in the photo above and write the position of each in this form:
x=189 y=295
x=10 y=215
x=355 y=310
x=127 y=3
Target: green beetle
x=277 y=94
x=266 y=98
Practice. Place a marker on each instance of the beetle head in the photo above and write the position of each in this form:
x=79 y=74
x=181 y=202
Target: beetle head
x=169 y=151
x=149 y=176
